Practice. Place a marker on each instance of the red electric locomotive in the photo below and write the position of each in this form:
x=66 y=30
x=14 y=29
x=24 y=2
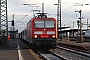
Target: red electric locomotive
x=42 y=31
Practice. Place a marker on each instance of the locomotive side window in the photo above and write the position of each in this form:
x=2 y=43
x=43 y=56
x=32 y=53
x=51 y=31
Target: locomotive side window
x=49 y=24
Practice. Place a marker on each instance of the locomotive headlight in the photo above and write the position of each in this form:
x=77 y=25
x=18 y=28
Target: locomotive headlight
x=53 y=36
x=35 y=36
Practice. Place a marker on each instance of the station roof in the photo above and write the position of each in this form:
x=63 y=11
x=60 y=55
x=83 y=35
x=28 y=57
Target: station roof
x=71 y=30
x=63 y=27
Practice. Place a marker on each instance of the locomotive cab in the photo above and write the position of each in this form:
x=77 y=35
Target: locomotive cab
x=42 y=31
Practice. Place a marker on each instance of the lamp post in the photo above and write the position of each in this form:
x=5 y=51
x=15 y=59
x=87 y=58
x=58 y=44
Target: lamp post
x=78 y=26
x=78 y=4
x=33 y=5
x=13 y=26
x=30 y=4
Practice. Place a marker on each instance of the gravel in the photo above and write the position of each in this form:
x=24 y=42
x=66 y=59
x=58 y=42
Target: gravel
x=69 y=55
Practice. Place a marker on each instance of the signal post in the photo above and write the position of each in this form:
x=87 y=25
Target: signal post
x=80 y=37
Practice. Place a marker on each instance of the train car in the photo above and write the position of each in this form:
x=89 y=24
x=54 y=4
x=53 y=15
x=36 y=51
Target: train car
x=41 y=31
x=87 y=34
x=22 y=35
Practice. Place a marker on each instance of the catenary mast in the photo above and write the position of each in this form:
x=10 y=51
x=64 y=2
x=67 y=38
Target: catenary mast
x=3 y=23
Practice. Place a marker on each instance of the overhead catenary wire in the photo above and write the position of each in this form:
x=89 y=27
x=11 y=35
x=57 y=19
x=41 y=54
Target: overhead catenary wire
x=63 y=10
x=72 y=6
x=68 y=8
x=21 y=19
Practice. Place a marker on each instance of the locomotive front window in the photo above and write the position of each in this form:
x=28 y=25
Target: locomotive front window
x=39 y=24
x=44 y=24
x=49 y=24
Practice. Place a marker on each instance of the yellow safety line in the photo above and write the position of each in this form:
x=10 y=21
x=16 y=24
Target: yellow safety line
x=34 y=55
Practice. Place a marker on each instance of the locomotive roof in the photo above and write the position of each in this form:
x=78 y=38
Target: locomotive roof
x=40 y=15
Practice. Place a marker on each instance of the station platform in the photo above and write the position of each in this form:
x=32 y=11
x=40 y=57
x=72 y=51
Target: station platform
x=16 y=50
x=85 y=45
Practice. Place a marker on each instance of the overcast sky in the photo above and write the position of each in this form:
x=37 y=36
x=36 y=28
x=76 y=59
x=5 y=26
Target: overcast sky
x=68 y=13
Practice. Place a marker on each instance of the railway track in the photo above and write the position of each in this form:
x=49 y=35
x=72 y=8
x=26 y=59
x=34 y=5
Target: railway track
x=74 y=47
x=60 y=53
x=44 y=54
x=74 y=51
x=52 y=57
x=70 y=54
x=47 y=55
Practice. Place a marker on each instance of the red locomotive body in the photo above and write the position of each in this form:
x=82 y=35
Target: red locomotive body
x=42 y=31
